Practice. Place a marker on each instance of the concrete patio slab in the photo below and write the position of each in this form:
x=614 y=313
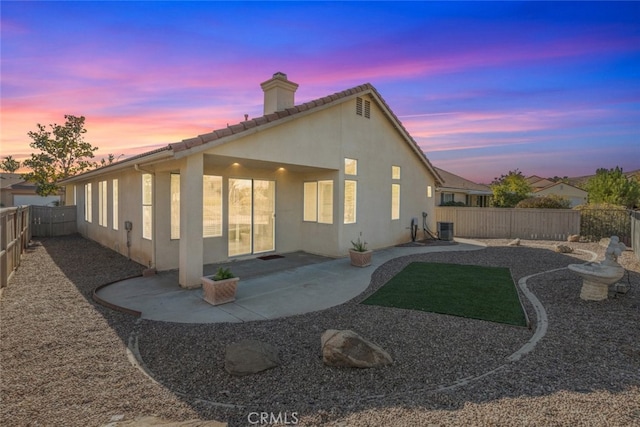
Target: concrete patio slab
x=295 y=284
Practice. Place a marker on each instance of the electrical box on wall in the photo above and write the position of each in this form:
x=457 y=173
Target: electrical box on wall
x=128 y=225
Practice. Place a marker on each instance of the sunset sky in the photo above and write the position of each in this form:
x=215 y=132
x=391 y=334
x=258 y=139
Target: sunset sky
x=550 y=88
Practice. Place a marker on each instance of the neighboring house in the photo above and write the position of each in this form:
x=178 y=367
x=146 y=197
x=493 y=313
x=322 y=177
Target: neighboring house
x=15 y=191
x=575 y=195
x=310 y=177
x=536 y=182
x=458 y=189
x=544 y=187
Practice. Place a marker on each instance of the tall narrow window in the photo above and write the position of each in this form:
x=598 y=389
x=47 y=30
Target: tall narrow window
x=147 y=206
x=350 y=197
x=114 y=204
x=175 y=206
x=87 y=203
x=211 y=206
x=310 y=201
x=395 y=201
x=325 y=202
x=429 y=191
x=102 y=203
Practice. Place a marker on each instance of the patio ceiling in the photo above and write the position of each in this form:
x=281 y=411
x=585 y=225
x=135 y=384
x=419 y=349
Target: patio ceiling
x=214 y=160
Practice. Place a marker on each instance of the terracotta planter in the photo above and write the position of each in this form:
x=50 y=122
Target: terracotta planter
x=217 y=292
x=360 y=259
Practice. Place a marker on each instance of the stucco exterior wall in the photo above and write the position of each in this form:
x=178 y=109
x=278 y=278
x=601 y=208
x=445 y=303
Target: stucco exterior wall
x=129 y=209
x=310 y=148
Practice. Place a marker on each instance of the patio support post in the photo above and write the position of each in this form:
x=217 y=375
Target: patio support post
x=191 y=249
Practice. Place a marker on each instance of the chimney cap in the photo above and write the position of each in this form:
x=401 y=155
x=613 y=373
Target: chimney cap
x=278 y=74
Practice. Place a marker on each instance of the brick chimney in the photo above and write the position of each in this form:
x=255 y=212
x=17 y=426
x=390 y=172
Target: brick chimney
x=278 y=93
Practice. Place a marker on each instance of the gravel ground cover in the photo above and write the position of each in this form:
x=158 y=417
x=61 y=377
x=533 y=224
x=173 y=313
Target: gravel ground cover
x=64 y=360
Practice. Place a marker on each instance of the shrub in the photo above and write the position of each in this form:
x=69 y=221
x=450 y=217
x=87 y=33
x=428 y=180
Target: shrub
x=545 y=202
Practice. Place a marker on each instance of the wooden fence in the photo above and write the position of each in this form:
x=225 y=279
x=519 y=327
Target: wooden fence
x=51 y=221
x=14 y=238
x=507 y=223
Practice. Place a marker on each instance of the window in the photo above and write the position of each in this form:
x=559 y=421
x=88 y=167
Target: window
x=310 y=201
x=325 y=202
x=87 y=203
x=395 y=201
x=446 y=198
x=318 y=202
x=429 y=191
x=350 y=166
x=102 y=203
x=114 y=204
x=147 y=206
x=175 y=206
x=211 y=206
x=350 y=193
x=395 y=172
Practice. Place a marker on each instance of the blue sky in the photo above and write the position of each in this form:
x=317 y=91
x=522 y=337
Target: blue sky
x=550 y=88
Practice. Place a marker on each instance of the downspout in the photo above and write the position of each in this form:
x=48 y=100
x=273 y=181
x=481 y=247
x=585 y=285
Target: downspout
x=153 y=201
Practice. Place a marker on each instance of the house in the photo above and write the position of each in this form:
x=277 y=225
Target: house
x=312 y=177
x=458 y=189
x=576 y=196
x=15 y=191
x=545 y=187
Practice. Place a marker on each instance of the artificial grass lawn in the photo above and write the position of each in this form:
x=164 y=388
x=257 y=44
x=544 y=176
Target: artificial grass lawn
x=486 y=293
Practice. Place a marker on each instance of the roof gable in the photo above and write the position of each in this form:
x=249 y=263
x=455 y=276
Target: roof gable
x=225 y=135
x=232 y=132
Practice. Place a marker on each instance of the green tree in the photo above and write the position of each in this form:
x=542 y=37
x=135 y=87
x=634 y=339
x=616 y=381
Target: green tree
x=63 y=153
x=509 y=189
x=614 y=187
x=9 y=164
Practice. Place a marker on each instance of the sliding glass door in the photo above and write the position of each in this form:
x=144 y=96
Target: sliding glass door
x=251 y=216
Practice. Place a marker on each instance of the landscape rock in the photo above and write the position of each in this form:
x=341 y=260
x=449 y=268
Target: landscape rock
x=573 y=238
x=514 y=242
x=563 y=249
x=604 y=242
x=348 y=349
x=249 y=357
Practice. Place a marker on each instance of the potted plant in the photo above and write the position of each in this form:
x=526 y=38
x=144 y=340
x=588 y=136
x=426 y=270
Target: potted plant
x=220 y=288
x=359 y=254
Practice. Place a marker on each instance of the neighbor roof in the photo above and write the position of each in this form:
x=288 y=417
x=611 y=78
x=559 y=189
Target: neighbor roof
x=455 y=182
x=223 y=135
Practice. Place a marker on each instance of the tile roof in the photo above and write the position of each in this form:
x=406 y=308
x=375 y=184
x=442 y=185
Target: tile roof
x=273 y=117
x=247 y=125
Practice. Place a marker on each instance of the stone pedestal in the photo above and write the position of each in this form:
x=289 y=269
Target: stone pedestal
x=594 y=291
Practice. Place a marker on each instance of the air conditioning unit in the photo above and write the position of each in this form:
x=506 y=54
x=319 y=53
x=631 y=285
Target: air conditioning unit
x=445 y=230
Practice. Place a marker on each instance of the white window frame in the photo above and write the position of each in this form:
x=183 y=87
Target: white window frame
x=395 y=202
x=310 y=202
x=395 y=172
x=174 y=215
x=88 y=214
x=350 y=207
x=211 y=227
x=102 y=203
x=147 y=207
x=114 y=205
x=350 y=166
x=325 y=202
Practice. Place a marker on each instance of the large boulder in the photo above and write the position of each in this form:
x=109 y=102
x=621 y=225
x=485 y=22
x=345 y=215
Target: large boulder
x=348 y=349
x=563 y=249
x=249 y=357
